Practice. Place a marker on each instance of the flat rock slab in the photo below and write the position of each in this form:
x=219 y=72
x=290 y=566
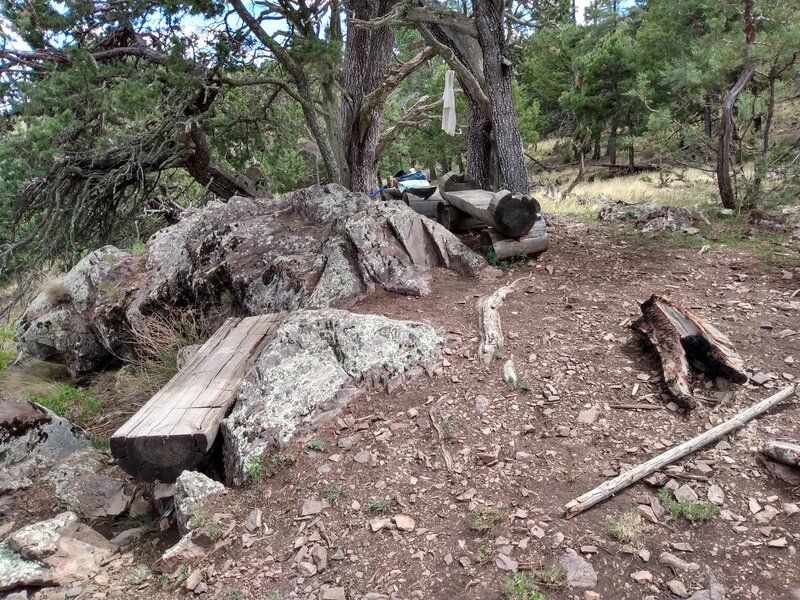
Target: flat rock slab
x=314 y=363
x=580 y=572
x=94 y=496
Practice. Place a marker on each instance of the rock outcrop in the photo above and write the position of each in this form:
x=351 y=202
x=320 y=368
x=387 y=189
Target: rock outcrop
x=317 y=360
x=32 y=441
x=315 y=248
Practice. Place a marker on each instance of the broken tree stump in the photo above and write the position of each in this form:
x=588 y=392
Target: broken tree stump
x=175 y=430
x=513 y=215
x=533 y=242
x=613 y=486
x=679 y=337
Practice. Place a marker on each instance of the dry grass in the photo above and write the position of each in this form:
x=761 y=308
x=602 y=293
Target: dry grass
x=628 y=528
x=36 y=378
x=56 y=292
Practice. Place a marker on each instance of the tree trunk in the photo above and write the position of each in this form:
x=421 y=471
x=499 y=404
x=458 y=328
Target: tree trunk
x=726 y=192
x=207 y=173
x=366 y=61
x=611 y=147
x=497 y=66
x=631 y=162
x=479 y=147
x=596 y=151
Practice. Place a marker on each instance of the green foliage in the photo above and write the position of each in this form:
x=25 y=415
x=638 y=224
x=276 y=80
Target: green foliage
x=333 y=492
x=316 y=444
x=76 y=404
x=101 y=443
x=254 y=469
x=521 y=586
x=8 y=351
x=696 y=512
x=380 y=506
x=449 y=431
x=138 y=248
x=484 y=518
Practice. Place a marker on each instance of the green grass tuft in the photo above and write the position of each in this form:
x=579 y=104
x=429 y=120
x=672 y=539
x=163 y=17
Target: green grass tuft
x=485 y=518
x=696 y=512
x=76 y=404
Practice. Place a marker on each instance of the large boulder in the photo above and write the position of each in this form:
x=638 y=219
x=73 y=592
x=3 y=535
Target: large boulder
x=315 y=248
x=33 y=440
x=192 y=491
x=314 y=362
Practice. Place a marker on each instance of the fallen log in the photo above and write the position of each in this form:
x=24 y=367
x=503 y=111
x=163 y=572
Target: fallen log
x=455 y=219
x=512 y=215
x=424 y=207
x=613 y=486
x=785 y=452
x=489 y=325
x=533 y=242
x=175 y=430
x=679 y=337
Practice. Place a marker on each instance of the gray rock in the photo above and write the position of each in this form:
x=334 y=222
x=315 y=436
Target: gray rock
x=712 y=591
x=314 y=248
x=685 y=493
x=190 y=548
x=482 y=404
x=676 y=564
x=588 y=416
x=677 y=588
x=579 y=572
x=94 y=496
x=315 y=362
x=33 y=440
x=192 y=491
x=59 y=551
x=319 y=554
x=716 y=495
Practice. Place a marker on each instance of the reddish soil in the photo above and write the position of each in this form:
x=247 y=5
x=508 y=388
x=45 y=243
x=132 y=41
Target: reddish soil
x=567 y=330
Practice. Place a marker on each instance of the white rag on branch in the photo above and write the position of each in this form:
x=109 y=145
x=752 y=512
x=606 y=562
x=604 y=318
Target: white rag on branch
x=449 y=104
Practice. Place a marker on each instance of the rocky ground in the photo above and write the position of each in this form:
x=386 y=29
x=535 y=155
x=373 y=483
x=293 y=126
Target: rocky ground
x=453 y=485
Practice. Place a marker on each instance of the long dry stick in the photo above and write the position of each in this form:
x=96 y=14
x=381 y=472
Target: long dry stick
x=612 y=486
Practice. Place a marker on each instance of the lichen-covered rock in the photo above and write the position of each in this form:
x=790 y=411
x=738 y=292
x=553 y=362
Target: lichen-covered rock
x=32 y=440
x=192 y=490
x=314 y=362
x=191 y=547
x=58 y=551
x=318 y=247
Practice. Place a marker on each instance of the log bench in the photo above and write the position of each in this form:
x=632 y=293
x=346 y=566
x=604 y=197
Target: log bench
x=511 y=215
x=175 y=430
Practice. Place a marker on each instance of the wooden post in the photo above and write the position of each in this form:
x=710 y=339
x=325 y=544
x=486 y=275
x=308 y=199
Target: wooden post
x=613 y=486
x=533 y=242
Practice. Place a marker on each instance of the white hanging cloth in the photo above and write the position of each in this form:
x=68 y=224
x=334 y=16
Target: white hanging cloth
x=449 y=104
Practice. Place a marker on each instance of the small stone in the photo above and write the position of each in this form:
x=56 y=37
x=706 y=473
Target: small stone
x=253 y=522
x=779 y=543
x=641 y=576
x=404 y=523
x=682 y=546
x=588 y=416
x=448 y=559
x=362 y=457
x=482 y=404
x=562 y=431
x=588 y=595
x=524 y=457
x=644 y=554
x=676 y=564
x=195 y=577
x=310 y=507
x=766 y=515
x=334 y=593
x=677 y=588
x=753 y=505
x=579 y=572
x=319 y=554
x=505 y=563
x=349 y=442
x=647 y=513
x=307 y=569
x=685 y=494
x=791 y=509
x=380 y=523
x=716 y=495
x=588 y=549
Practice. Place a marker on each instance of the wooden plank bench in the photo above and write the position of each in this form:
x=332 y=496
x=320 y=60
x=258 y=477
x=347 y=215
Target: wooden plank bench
x=509 y=214
x=175 y=430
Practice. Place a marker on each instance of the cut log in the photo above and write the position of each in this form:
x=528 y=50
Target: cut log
x=510 y=214
x=785 y=452
x=489 y=325
x=679 y=336
x=423 y=207
x=613 y=486
x=175 y=430
x=455 y=219
x=533 y=242
x=423 y=193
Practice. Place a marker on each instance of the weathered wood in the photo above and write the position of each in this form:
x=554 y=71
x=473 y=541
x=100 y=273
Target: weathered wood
x=512 y=215
x=455 y=219
x=679 y=336
x=613 y=486
x=785 y=452
x=417 y=194
x=533 y=242
x=423 y=207
x=489 y=325
x=176 y=428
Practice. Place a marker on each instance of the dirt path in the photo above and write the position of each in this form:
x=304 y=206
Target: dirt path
x=529 y=452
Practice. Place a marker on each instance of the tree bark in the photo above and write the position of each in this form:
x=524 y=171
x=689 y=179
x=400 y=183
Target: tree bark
x=726 y=191
x=207 y=173
x=497 y=67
